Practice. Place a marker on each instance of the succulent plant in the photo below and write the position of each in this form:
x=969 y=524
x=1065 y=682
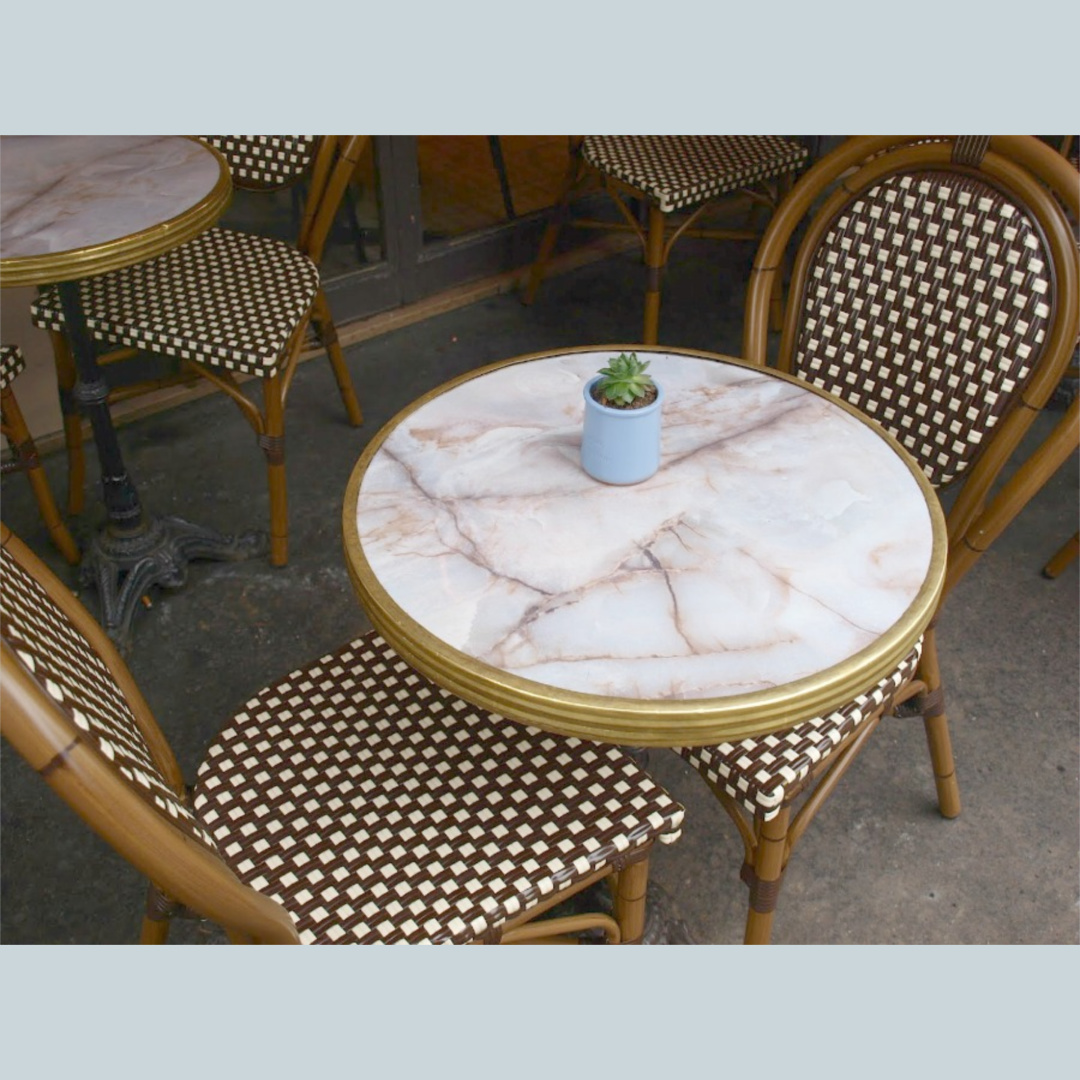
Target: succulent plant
x=625 y=379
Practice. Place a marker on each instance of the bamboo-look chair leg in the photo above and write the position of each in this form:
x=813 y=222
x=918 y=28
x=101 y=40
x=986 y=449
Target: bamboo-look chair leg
x=932 y=706
x=272 y=442
x=66 y=377
x=26 y=459
x=654 y=269
x=559 y=215
x=155 y=931
x=157 y=919
x=765 y=875
x=628 y=892
x=327 y=334
x=1064 y=556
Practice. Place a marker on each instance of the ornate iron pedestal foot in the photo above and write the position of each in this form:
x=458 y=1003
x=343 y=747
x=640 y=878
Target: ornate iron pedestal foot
x=124 y=567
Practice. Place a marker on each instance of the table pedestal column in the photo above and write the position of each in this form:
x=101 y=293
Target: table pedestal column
x=133 y=552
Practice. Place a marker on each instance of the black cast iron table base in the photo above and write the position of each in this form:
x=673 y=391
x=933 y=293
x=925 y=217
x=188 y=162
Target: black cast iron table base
x=123 y=567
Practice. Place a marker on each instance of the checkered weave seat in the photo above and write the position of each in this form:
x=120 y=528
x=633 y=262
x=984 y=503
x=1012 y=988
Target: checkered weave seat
x=681 y=171
x=351 y=802
x=12 y=363
x=934 y=289
x=225 y=299
x=679 y=178
x=375 y=806
x=766 y=772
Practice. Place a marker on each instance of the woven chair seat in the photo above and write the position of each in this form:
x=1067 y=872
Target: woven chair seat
x=11 y=364
x=376 y=807
x=226 y=299
x=680 y=171
x=765 y=773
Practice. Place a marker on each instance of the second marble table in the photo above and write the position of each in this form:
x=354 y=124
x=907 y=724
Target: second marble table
x=73 y=207
x=786 y=556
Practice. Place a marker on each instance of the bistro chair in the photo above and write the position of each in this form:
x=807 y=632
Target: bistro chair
x=935 y=289
x=352 y=801
x=226 y=305
x=679 y=179
x=24 y=455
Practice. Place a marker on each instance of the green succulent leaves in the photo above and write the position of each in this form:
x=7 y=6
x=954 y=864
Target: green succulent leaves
x=625 y=379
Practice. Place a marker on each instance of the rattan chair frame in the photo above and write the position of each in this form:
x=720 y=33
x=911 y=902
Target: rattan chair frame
x=1038 y=177
x=25 y=459
x=655 y=230
x=186 y=878
x=332 y=167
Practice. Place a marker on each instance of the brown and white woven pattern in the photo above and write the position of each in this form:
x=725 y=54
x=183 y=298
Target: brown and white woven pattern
x=227 y=299
x=377 y=807
x=265 y=161
x=11 y=364
x=680 y=171
x=926 y=307
x=76 y=678
x=763 y=773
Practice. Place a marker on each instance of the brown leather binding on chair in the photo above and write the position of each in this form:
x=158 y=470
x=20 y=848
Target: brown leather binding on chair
x=935 y=288
x=351 y=801
x=226 y=304
x=25 y=456
x=680 y=178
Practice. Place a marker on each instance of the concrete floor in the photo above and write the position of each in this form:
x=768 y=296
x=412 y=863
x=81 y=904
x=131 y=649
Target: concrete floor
x=878 y=866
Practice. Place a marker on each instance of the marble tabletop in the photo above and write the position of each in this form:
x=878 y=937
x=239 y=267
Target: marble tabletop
x=76 y=205
x=785 y=556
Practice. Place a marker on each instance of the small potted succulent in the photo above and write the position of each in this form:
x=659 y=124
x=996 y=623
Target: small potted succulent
x=620 y=443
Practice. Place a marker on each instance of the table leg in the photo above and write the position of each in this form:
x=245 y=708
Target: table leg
x=133 y=552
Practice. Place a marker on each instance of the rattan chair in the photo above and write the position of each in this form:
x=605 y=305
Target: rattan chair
x=935 y=289
x=679 y=179
x=352 y=801
x=226 y=304
x=24 y=455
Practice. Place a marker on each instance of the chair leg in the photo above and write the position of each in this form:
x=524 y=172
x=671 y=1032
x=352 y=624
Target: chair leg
x=327 y=333
x=559 y=215
x=157 y=918
x=932 y=705
x=155 y=931
x=630 y=887
x=1064 y=556
x=547 y=248
x=66 y=376
x=764 y=877
x=26 y=458
x=272 y=442
x=654 y=268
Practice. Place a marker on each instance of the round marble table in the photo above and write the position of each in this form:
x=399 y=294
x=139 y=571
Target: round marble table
x=73 y=207
x=785 y=557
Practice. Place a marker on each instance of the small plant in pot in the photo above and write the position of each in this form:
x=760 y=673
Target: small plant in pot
x=620 y=443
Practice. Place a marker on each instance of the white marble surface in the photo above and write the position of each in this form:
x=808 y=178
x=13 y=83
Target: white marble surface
x=61 y=193
x=779 y=537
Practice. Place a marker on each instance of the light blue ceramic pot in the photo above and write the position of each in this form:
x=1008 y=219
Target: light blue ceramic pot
x=620 y=446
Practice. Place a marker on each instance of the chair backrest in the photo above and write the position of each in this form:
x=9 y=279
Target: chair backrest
x=271 y=162
x=935 y=288
x=334 y=168
x=266 y=162
x=73 y=711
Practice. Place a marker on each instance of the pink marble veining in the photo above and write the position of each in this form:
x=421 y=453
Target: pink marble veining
x=780 y=536
x=67 y=192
